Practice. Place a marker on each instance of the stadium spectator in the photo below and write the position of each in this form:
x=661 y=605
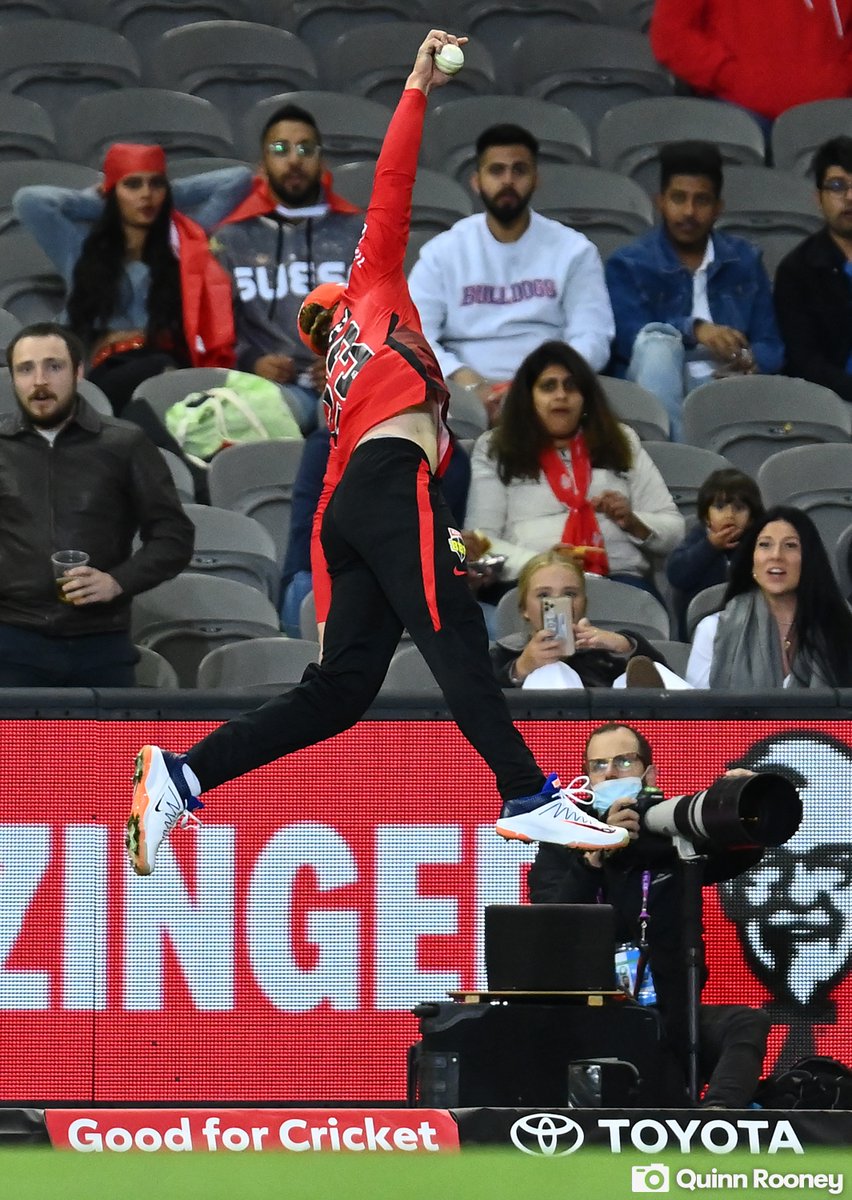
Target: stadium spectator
x=813 y=283
x=501 y=282
x=599 y=656
x=690 y=303
x=144 y=293
x=764 y=60
x=560 y=470
x=784 y=622
x=73 y=480
x=728 y=501
x=290 y=234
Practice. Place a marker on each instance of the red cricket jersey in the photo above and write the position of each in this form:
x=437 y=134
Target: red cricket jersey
x=379 y=363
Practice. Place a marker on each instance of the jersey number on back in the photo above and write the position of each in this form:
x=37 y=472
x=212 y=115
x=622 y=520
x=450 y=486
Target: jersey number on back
x=346 y=357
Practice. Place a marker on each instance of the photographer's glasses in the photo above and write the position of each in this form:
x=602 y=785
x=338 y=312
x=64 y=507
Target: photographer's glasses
x=300 y=149
x=622 y=763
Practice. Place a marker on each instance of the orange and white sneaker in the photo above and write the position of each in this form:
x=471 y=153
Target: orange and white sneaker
x=161 y=799
x=553 y=815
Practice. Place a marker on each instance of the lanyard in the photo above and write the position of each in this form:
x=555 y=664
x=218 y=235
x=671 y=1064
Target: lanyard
x=644 y=915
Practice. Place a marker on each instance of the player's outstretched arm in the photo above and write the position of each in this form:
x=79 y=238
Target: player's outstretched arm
x=425 y=75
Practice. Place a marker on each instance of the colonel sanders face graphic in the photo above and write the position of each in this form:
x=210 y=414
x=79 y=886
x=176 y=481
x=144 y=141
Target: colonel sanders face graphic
x=794 y=910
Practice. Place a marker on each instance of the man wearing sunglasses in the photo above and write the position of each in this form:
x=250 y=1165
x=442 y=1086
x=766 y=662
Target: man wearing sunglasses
x=643 y=885
x=291 y=234
x=813 y=284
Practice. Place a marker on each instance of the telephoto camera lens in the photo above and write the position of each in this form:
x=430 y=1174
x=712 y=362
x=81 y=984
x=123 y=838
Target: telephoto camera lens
x=735 y=812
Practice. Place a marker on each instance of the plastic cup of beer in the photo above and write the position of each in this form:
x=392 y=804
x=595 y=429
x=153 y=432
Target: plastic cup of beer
x=63 y=561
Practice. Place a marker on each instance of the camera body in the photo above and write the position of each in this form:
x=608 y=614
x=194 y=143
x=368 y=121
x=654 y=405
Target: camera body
x=648 y=797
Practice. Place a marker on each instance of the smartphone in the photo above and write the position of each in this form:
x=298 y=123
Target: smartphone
x=490 y=562
x=557 y=617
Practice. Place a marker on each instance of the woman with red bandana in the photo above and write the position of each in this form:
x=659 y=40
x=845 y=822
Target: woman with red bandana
x=144 y=293
x=387 y=555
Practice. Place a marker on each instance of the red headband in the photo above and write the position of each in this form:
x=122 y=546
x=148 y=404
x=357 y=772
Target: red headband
x=127 y=158
x=327 y=295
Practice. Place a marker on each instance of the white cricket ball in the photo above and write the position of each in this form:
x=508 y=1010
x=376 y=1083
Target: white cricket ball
x=449 y=59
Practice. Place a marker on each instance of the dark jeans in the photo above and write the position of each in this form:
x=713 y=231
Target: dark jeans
x=387 y=535
x=32 y=659
x=732 y=1048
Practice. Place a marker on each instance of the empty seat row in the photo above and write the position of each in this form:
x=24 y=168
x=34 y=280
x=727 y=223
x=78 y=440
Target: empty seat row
x=495 y=22
x=55 y=61
x=234 y=64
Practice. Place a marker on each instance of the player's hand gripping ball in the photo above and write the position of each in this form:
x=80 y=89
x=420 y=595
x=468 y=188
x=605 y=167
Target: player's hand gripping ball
x=449 y=59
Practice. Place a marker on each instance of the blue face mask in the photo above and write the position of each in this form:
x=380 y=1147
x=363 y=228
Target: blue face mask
x=608 y=791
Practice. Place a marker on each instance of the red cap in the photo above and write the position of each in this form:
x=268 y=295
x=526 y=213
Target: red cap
x=127 y=158
x=327 y=295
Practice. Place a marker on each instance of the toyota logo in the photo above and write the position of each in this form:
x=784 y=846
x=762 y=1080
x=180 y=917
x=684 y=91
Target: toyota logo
x=551 y=1134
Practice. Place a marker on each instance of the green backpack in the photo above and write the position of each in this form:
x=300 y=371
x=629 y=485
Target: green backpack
x=246 y=409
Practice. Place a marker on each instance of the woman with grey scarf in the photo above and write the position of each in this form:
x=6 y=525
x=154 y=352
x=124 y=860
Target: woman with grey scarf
x=784 y=622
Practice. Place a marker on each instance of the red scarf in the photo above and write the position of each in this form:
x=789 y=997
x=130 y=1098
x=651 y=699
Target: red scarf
x=261 y=200
x=570 y=488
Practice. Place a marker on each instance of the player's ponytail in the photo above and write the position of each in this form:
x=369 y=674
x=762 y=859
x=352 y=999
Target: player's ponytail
x=315 y=324
x=315 y=316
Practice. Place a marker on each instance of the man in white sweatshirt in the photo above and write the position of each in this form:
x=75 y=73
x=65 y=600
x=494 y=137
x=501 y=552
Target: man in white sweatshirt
x=498 y=284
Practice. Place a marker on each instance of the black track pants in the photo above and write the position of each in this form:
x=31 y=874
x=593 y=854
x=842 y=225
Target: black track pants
x=391 y=548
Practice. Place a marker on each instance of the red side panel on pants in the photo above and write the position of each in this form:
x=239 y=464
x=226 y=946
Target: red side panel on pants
x=426 y=521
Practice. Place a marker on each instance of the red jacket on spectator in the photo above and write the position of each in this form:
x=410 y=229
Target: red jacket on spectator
x=766 y=57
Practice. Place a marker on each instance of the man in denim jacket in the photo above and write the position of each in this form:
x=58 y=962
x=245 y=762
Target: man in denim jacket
x=690 y=304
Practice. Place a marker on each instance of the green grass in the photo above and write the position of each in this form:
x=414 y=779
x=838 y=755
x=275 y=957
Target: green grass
x=43 y=1174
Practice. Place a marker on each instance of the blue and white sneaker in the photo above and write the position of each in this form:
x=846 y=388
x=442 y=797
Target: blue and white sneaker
x=161 y=800
x=554 y=815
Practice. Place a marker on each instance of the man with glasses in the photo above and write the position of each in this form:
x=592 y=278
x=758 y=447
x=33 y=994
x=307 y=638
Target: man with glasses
x=813 y=284
x=291 y=234
x=643 y=884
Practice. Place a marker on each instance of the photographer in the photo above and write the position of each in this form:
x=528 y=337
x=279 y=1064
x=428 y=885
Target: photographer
x=645 y=878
